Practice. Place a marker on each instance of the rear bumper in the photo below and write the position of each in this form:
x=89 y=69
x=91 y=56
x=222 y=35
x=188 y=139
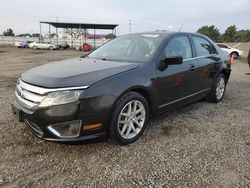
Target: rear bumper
x=39 y=120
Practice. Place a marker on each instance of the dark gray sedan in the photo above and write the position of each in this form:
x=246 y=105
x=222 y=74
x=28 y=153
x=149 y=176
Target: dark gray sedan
x=117 y=88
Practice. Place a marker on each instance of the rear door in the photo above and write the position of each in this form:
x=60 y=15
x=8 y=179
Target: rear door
x=39 y=45
x=175 y=83
x=208 y=62
x=44 y=45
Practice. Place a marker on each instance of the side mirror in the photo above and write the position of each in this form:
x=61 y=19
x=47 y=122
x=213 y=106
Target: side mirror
x=173 y=60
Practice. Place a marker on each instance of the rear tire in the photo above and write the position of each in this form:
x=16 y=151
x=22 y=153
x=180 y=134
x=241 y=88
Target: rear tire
x=129 y=119
x=218 y=89
x=51 y=48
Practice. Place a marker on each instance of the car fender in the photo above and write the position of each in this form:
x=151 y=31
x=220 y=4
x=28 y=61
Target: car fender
x=104 y=94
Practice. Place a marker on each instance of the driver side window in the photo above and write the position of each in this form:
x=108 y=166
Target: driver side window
x=178 y=46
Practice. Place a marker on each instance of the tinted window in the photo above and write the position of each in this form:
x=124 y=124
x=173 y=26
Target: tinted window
x=203 y=47
x=222 y=46
x=179 y=46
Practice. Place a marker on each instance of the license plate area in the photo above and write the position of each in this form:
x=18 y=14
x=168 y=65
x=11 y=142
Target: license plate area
x=17 y=113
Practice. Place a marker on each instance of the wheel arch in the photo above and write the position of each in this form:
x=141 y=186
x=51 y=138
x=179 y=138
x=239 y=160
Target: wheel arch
x=234 y=51
x=226 y=73
x=142 y=91
x=146 y=95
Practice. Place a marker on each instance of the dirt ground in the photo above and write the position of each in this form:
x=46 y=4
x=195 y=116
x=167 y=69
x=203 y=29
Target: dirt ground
x=200 y=145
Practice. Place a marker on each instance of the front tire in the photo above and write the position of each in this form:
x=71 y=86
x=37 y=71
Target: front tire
x=129 y=118
x=218 y=89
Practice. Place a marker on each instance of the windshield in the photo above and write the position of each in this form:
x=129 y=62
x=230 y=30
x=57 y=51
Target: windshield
x=131 y=48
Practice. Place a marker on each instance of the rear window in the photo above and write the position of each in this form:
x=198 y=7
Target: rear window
x=222 y=46
x=203 y=47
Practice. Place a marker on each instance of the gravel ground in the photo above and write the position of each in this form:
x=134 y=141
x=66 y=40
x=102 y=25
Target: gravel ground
x=200 y=145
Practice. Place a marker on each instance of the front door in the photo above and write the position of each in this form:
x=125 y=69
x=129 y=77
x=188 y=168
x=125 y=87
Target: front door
x=175 y=83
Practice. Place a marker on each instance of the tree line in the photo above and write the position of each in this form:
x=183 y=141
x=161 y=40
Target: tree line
x=10 y=32
x=76 y=33
x=231 y=34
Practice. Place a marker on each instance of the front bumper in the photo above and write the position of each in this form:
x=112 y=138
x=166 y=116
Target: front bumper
x=39 y=120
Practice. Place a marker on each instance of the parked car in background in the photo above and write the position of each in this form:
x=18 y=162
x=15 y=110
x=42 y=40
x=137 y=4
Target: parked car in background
x=115 y=89
x=63 y=45
x=42 y=45
x=23 y=44
x=231 y=50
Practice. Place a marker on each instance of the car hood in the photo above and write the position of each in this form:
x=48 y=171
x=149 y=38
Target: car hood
x=74 y=72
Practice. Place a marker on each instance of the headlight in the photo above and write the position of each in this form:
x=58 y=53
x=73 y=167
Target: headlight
x=60 y=97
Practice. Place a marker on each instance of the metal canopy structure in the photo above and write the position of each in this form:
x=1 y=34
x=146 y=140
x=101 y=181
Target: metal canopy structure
x=84 y=26
x=81 y=25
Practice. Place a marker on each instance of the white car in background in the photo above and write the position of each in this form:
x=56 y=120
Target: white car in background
x=231 y=50
x=42 y=45
x=23 y=44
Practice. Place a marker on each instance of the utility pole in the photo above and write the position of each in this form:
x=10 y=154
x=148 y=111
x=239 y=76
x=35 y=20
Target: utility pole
x=40 y=27
x=130 y=25
x=49 y=34
x=56 y=32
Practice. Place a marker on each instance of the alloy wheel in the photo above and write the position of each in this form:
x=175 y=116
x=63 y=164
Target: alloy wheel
x=220 y=89
x=131 y=119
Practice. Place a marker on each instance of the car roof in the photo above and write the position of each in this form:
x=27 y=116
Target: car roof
x=165 y=33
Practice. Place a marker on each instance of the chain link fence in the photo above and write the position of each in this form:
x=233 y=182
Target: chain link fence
x=73 y=43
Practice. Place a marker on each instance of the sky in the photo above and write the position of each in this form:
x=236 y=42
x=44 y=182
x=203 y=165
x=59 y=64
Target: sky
x=23 y=16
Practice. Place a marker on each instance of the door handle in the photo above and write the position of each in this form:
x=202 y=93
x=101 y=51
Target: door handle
x=192 y=67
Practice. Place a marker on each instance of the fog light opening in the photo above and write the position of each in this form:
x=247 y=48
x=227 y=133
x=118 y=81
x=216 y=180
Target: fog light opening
x=66 y=130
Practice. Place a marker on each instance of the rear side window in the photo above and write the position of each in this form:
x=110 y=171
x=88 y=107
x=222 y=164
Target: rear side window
x=222 y=46
x=203 y=47
x=179 y=46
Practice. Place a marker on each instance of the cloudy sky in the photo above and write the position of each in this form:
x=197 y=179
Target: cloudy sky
x=146 y=15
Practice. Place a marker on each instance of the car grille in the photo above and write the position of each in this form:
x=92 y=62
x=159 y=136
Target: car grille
x=28 y=96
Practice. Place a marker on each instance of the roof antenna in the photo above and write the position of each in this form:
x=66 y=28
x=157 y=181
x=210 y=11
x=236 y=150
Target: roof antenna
x=180 y=28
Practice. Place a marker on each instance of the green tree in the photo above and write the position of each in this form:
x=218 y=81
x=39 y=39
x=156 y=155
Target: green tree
x=210 y=31
x=53 y=35
x=230 y=34
x=110 y=36
x=36 y=35
x=8 y=32
x=243 y=36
